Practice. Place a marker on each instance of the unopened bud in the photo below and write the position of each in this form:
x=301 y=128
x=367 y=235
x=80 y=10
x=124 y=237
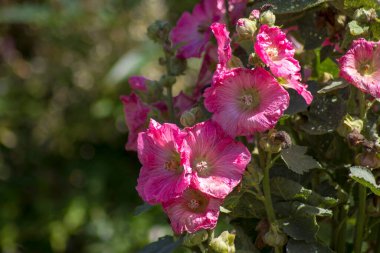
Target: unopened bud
x=355 y=138
x=348 y=124
x=368 y=159
x=235 y=62
x=159 y=31
x=268 y=18
x=326 y=77
x=245 y=28
x=365 y=16
x=177 y=66
x=167 y=81
x=274 y=141
x=194 y=239
x=254 y=60
x=254 y=15
x=187 y=119
x=223 y=243
x=275 y=238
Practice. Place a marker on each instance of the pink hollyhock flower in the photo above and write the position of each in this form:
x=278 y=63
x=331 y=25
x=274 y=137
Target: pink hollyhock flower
x=192 y=32
x=136 y=114
x=236 y=9
x=223 y=39
x=192 y=211
x=245 y=101
x=276 y=51
x=182 y=102
x=138 y=83
x=361 y=66
x=162 y=176
x=217 y=161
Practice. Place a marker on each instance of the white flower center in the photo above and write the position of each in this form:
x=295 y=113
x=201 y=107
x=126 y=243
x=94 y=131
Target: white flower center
x=247 y=99
x=272 y=52
x=201 y=166
x=193 y=204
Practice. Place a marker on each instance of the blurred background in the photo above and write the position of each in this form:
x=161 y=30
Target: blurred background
x=66 y=182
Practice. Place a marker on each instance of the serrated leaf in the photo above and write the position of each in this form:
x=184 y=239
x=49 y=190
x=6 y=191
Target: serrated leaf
x=142 y=209
x=332 y=86
x=164 y=244
x=297 y=161
x=290 y=6
x=294 y=246
x=365 y=177
x=290 y=190
x=301 y=228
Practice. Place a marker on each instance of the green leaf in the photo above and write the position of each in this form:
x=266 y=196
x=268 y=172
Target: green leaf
x=297 y=161
x=299 y=208
x=142 y=209
x=311 y=32
x=164 y=244
x=328 y=66
x=245 y=206
x=290 y=6
x=301 y=228
x=332 y=86
x=365 y=177
x=361 y=3
x=290 y=190
x=294 y=246
x=375 y=30
x=324 y=115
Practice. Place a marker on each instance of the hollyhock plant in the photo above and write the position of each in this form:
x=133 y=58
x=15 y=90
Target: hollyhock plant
x=216 y=160
x=245 y=101
x=276 y=51
x=192 y=211
x=136 y=114
x=162 y=176
x=361 y=66
x=192 y=32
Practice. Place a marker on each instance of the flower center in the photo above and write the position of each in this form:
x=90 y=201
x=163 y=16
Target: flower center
x=173 y=164
x=203 y=168
x=193 y=204
x=249 y=99
x=272 y=52
x=366 y=69
x=202 y=28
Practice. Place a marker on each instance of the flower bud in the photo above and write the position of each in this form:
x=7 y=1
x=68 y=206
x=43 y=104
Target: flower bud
x=326 y=77
x=177 y=66
x=254 y=15
x=348 y=124
x=274 y=237
x=224 y=243
x=190 y=117
x=268 y=18
x=159 y=31
x=194 y=239
x=355 y=138
x=365 y=16
x=167 y=81
x=368 y=159
x=246 y=28
x=274 y=141
x=235 y=62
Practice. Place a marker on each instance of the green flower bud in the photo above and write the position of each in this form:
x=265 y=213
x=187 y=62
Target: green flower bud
x=177 y=66
x=348 y=124
x=194 y=239
x=159 y=31
x=268 y=18
x=275 y=238
x=246 y=28
x=167 y=81
x=190 y=117
x=365 y=16
x=223 y=244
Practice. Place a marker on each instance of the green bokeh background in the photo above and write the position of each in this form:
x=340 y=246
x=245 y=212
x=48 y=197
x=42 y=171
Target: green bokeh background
x=66 y=182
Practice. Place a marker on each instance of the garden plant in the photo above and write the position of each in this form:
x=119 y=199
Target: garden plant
x=275 y=146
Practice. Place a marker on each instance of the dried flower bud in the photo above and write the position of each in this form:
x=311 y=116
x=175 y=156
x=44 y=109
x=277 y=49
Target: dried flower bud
x=368 y=159
x=283 y=138
x=223 y=243
x=274 y=141
x=348 y=124
x=365 y=16
x=246 y=28
x=194 y=239
x=355 y=138
x=268 y=18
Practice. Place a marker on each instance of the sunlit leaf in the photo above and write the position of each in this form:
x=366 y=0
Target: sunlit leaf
x=365 y=177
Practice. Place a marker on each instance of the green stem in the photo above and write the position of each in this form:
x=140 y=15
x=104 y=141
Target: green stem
x=360 y=220
x=170 y=103
x=341 y=231
x=267 y=195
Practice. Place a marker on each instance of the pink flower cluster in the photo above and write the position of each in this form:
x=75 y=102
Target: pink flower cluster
x=189 y=171
x=361 y=66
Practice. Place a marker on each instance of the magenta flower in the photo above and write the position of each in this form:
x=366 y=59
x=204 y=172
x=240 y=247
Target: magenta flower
x=136 y=115
x=192 y=211
x=276 y=51
x=217 y=161
x=245 y=101
x=192 y=31
x=183 y=102
x=361 y=66
x=138 y=83
x=162 y=176
x=223 y=39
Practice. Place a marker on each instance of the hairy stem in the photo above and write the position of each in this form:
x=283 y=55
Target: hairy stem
x=360 y=220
